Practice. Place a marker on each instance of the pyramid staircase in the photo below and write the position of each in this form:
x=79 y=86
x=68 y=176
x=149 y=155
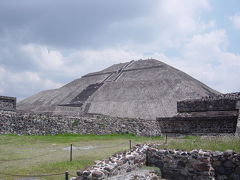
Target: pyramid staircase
x=85 y=94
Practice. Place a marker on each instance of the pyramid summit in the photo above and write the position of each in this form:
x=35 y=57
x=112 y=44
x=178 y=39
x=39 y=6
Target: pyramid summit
x=137 y=89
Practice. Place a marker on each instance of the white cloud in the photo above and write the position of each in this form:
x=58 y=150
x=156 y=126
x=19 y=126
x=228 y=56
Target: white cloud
x=210 y=44
x=170 y=24
x=95 y=60
x=205 y=58
x=177 y=20
x=49 y=62
x=41 y=55
x=23 y=83
x=78 y=62
x=236 y=20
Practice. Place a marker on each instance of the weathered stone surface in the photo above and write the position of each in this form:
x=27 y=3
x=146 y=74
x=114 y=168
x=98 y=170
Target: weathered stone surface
x=196 y=164
x=143 y=89
x=216 y=163
x=222 y=102
x=237 y=133
x=174 y=164
x=140 y=174
x=7 y=103
x=237 y=170
x=86 y=173
x=198 y=125
x=228 y=164
x=79 y=173
x=30 y=123
x=204 y=116
x=118 y=163
x=97 y=174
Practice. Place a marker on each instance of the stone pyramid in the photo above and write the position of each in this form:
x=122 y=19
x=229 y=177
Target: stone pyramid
x=137 y=89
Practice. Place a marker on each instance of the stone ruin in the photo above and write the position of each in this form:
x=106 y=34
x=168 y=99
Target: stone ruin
x=7 y=103
x=216 y=115
x=209 y=115
x=143 y=89
x=173 y=164
x=138 y=91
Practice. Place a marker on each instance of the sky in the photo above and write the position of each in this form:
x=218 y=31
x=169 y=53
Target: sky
x=45 y=44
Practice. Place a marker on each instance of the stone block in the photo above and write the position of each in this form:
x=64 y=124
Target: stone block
x=7 y=103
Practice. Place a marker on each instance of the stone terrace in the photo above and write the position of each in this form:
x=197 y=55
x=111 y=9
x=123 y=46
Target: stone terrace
x=210 y=115
x=7 y=103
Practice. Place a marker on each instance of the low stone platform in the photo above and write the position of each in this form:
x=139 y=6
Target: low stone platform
x=223 y=102
x=200 y=124
x=211 y=115
x=7 y=103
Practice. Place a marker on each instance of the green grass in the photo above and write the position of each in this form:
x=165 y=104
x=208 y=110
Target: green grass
x=65 y=138
x=218 y=143
x=46 y=154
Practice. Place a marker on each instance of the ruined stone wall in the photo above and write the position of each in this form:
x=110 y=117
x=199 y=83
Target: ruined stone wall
x=223 y=102
x=7 y=103
x=119 y=163
x=198 y=125
x=42 y=124
x=174 y=164
x=195 y=164
x=181 y=165
x=206 y=105
x=210 y=115
x=237 y=133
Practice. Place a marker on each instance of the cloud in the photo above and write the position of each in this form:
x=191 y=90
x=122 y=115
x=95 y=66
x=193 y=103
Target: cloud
x=45 y=44
x=167 y=25
x=78 y=62
x=43 y=57
x=68 y=24
x=54 y=69
x=236 y=20
x=211 y=43
x=23 y=84
x=205 y=57
x=99 y=24
x=2 y=84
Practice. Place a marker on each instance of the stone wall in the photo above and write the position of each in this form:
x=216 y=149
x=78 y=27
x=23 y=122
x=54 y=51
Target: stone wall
x=223 y=102
x=198 y=125
x=209 y=115
x=7 y=103
x=181 y=165
x=26 y=123
x=195 y=164
x=117 y=164
x=206 y=105
x=174 y=164
x=238 y=121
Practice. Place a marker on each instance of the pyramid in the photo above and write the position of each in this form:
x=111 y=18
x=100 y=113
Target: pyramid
x=143 y=89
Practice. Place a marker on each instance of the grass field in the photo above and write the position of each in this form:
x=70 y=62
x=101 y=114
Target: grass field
x=50 y=154
x=35 y=155
x=215 y=143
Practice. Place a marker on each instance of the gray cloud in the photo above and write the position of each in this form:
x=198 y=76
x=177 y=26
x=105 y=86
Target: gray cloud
x=67 y=23
x=12 y=58
x=47 y=43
